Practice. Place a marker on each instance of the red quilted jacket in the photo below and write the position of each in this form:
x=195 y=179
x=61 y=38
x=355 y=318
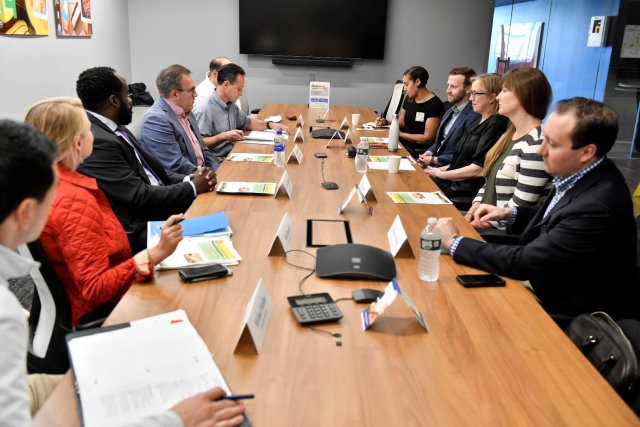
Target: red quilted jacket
x=87 y=244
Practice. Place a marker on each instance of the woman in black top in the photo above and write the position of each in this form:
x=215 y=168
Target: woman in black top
x=463 y=176
x=421 y=112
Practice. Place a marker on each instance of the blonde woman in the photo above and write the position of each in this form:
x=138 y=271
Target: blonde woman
x=463 y=176
x=513 y=169
x=83 y=238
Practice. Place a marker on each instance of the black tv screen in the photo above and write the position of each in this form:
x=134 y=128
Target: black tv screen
x=320 y=29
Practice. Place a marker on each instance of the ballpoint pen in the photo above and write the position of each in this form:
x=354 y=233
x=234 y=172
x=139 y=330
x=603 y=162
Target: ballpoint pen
x=238 y=396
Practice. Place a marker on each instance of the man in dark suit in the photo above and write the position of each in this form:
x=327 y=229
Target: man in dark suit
x=138 y=188
x=583 y=236
x=169 y=130
x=456 y=120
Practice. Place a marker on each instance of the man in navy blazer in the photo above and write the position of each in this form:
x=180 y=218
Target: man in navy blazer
x=578 y=249
x=169 y=130
x=456 y=120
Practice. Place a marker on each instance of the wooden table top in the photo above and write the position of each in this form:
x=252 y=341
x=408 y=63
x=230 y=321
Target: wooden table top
x=492 y=356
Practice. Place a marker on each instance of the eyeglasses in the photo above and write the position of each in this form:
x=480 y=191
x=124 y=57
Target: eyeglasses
x=473 y=94
x=192 y=90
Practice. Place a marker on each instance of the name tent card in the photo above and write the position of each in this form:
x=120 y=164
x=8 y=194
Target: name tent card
x=300 y=121
x=256 y=319
x=345 y=123
x=365 y=189
x=347 y=199
x=282 y=242
x=299 y=135
x=285 y=186
x=370 y=314
x=398 y=242
x=295 y=156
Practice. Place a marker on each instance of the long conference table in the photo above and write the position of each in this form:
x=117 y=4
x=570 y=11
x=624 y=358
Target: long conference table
x=492 y=356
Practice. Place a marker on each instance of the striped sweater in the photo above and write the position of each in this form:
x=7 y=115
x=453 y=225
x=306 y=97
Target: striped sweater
x=521 y=179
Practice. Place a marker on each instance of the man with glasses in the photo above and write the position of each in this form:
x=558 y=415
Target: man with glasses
x=455 y=121
x=221 y=121
x=169 y=130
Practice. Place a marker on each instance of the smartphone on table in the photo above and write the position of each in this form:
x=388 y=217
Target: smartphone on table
x=480 y=280
x=205 y=272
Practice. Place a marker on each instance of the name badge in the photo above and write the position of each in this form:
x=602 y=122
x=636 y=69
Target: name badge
x=420 y=117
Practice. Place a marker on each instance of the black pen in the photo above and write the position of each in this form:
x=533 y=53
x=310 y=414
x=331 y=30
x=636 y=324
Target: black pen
x=238 y=396
x=179 y=220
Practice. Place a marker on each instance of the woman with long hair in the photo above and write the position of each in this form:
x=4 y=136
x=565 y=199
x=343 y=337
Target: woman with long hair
x=513 y=169
x=463 y=176
x=83 y=238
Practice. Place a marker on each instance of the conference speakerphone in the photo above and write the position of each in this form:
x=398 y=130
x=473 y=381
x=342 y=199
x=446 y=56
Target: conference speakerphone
x=355 y=261
x=327 y=133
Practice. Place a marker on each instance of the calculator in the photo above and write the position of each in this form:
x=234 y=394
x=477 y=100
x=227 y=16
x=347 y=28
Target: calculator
x=314 y=308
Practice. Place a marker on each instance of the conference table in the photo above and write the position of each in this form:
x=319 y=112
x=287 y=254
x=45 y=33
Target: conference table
x=491 y=356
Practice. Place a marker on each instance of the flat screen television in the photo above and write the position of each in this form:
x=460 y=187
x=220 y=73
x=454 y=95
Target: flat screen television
x=342 y=29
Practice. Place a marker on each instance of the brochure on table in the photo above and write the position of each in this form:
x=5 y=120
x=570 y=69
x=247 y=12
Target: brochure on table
x=126 y=372
x=382 y=163
x=192 y=251
x=240 y=187
x=263 y=135
x=423 y=198
x=250 y=157
x=370 y=314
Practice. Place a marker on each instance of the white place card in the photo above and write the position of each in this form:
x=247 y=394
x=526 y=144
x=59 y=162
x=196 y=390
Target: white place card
x=256 y=318
x=282 y=242
x=295 y=156
x=365 y=189
x=346 y=201
x=370 y=314
x=300 y=120
x=285 y=186
x=398 y=242
x=299 y=135
x=345 y=123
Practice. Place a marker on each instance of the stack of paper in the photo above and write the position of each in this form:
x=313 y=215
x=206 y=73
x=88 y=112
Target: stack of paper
x=126 y=372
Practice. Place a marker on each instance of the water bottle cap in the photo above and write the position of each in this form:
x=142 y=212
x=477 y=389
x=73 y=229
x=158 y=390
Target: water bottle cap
x=279 y=132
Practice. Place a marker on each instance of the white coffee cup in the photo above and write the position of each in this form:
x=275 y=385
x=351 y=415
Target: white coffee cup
x=355 y=119
x=394 y=164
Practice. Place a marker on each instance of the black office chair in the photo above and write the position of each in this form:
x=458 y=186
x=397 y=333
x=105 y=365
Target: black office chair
x=50 y=318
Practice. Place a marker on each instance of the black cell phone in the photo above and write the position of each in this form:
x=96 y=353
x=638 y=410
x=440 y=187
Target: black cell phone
x=321 y=155
x=480 y=280
x=206 y=272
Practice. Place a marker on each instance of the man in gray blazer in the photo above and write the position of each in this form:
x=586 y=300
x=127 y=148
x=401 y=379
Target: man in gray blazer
x=572 y=246
x=169 y=130
x=456 y=120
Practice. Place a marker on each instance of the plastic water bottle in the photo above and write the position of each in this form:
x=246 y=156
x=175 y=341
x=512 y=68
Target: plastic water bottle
x=362 y=156
x=278 y=150
x=394 y=134
x=429 y=266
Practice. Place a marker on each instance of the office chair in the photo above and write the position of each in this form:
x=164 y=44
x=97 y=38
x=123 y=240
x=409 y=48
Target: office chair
x=136 y=121
x=50 y=319
x=395 y=102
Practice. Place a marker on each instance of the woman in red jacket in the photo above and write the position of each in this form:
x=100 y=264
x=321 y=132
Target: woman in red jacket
x=83 y=238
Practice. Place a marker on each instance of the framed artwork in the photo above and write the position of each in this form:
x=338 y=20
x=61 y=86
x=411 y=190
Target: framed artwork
x=24 y=18
x=73 y=18
x=518 y=45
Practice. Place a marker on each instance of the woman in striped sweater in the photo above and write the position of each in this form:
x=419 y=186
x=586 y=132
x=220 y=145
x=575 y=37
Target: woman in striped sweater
x=513 y=169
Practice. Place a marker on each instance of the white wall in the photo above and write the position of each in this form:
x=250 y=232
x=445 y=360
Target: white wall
x=438 y=34
x=33 y=68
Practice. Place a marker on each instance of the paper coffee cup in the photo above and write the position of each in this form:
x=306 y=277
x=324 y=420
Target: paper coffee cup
x=394 y=164
x=355 y=119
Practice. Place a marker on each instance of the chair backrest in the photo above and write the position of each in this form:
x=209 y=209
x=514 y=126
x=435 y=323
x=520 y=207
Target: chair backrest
x=243 y=103
x=50 y=318
x=395 y=102
x=136 y=121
